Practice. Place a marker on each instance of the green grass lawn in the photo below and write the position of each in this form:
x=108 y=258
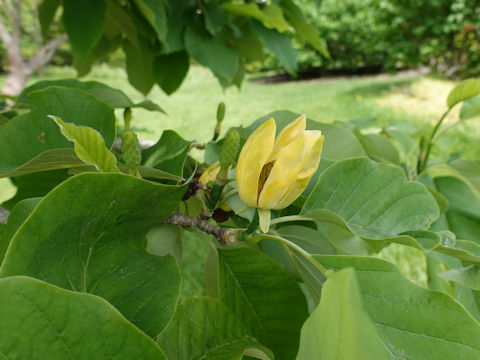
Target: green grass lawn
x=409 y=102
x=406 y=101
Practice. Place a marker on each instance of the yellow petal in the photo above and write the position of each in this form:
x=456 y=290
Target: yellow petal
x=288 y=165
x=313 y=149
x=210 y=173
x=253 y=156
x=288 y=134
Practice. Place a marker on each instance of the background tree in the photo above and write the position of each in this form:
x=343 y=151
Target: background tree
x=19 y=26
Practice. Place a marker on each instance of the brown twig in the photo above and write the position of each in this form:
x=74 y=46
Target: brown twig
x=224 y=235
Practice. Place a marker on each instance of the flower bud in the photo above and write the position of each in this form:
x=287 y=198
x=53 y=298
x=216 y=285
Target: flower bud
x=272 y=172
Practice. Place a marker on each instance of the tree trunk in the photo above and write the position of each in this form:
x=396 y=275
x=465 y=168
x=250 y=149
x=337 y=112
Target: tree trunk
x=17 y=77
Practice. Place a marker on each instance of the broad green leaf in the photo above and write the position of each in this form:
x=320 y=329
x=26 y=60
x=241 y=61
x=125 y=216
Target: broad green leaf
x=16 y=218
x=470 y=108
x=271 y=16
x=469 y=172
x=35 y=185
x=441 y=200
x=170 y=70
x=113 y=97
x=27 y=136
x=411 y=321
x=304 y=31
x=48 y=160
x=204 y=328
x=165 y=239
x=154 y=12
x=468 y=276
x=339 y=328
x=310 y=240
x=46 y=13
x=463 y=91
x=168 y=154
x=42 y=321
x=139 y=64
x=438 y=263
x=375 y=200
x=280 y=45
x=89 y=233
x=176 y=22
x=201 y=45
x=215 y=16
x=464 y=250
x=379 y=148
x=84 y=22
x=89 y=145
x=263 y=296
x=463 y=214
x=120 y=19
x=249 y=44
x=466 y=170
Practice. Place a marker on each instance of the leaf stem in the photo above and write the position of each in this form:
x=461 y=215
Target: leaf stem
x=290 y=218
x=299 y=250
x=423 y=159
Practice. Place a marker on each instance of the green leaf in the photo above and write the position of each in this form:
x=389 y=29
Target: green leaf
x=165 y=239
x=410 y=319
x=139 y=64
x=27 y=136
x=113 y=97
x=339 y=328
x=154 y=12
x=168 y=154
x=84 y=22
x=89 y=233
x=42 y=321
x=215 y=17
x=264 y=297
x=470 y=108
x=16 y=218
x=206 y=329
x=280 y=45
x=48 y=160
x=379 y=148
x=304 y=31
x=46 y=14
x=463 y=91
x=373 y=199
x=463 y=214
x=310 y=240
x=170 y=70
x=89 y=145
x=271 y=16
x=201 y=45
x=468 y=276
x=35 y=185
x=464 y=250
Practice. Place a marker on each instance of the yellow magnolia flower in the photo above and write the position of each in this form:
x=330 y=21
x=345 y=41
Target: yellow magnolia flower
x=271 y=173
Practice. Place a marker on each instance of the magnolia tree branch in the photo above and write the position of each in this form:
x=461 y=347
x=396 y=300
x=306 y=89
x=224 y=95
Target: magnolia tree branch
x=45 y=53
x=4 y=213
x=223 y=235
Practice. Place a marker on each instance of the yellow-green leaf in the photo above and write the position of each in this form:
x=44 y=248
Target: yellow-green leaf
x=89 y=145
x=463 y=91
